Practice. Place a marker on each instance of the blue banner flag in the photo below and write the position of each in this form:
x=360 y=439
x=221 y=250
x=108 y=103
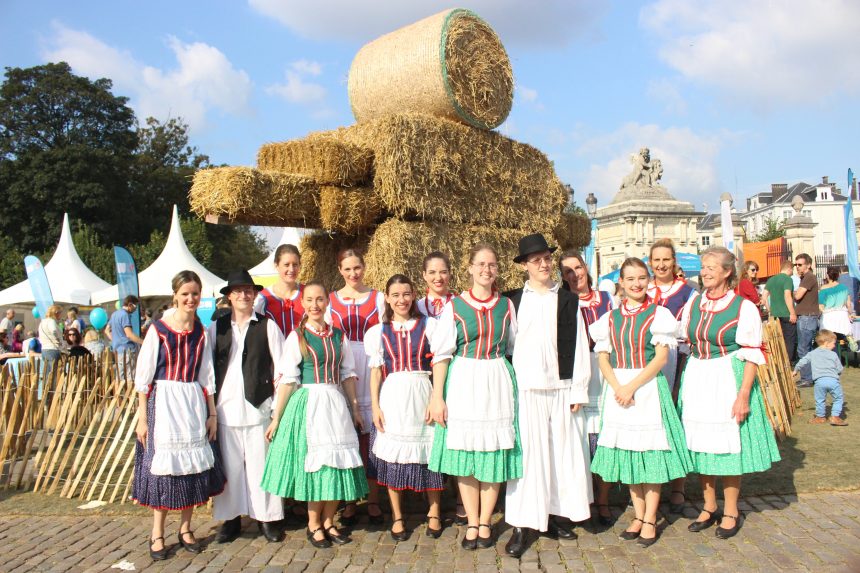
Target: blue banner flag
x=851 y=234
x=39 y=284
x=206 y=309
x=126 y=282
x=588 y=253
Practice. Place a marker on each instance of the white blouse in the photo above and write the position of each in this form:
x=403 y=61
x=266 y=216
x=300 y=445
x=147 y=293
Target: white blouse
x=748 y=333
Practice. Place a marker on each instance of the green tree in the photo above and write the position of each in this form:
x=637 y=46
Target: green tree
x=11 y=263
x=94 y=253
x=774 y=228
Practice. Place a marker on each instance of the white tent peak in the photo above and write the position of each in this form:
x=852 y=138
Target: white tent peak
x=71 y=281
x=290 y=236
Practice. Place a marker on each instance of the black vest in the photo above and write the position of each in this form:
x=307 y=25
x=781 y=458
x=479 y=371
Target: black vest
x=257 y=366
x=568 y=307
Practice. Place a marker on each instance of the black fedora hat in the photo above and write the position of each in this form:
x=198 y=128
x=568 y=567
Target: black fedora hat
x=531 y=244
x=239 y=278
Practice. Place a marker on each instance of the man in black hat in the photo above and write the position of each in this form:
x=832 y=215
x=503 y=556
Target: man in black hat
x=552 y=367
x=247 y=350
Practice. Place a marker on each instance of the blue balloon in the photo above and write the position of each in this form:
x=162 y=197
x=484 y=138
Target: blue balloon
x=36 y=312
x=98 y=318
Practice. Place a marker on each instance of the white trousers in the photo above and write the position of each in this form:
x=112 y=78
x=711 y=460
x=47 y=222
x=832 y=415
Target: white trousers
x=243 y=450
x=556 y=469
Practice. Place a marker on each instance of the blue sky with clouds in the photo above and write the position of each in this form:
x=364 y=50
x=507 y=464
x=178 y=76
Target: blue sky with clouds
x=731 y=95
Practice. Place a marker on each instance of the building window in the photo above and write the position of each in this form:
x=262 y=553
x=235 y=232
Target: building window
x=827 y=251
x=786 y=214
x=706 y=241
x=807 y=213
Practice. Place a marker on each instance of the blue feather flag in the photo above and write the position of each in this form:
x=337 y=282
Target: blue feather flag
x=851 y=234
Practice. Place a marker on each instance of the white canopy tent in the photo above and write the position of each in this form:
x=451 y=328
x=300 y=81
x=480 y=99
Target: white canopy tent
x=264 y=273
x=71 y=281
x=155 y=279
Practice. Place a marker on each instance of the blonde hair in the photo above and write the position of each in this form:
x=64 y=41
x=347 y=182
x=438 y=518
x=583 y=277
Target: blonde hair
x=663 y=244
x=91 y=336
x=54 y=311
x=824 y=336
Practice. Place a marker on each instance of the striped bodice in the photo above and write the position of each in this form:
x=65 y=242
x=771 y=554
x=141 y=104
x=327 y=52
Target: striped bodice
x=596 y=305
x=285 y=313
x=180 y=354
x=712 y=334
x=675 y=299
x=630 y=337
x=354 y=319
x=321 y=364
x=482 y=333
x=406 y=350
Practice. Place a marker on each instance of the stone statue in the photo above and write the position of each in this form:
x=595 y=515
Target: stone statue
x=643 y=182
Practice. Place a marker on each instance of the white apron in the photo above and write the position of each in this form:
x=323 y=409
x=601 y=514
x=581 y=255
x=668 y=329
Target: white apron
x=332 y=439
x=180 y=441
x=403 y=399
x=637 y=428
x=708 y=393
x=480 y=400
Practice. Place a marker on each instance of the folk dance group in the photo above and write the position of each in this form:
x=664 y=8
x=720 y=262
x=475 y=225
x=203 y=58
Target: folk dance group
x=319 y=397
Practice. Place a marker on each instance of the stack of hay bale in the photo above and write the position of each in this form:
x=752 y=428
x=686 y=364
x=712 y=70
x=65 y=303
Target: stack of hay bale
x=421 y=169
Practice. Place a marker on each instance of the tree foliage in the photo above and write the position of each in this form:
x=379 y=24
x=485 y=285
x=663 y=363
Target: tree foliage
x=774 y=228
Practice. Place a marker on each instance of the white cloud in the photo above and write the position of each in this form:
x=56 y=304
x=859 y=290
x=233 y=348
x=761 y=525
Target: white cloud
x=550 y=23
x=762 y=52
x=307 y=67
x=527 y=94
x=666 y=92
x=203 y=79
x=296 y=89
x=689 y=161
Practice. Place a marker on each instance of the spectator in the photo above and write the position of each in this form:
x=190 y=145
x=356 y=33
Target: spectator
x=122 y=338
x=74 y=339
x=147 y=322
x=17 y=337
x=31 y=346
x=93 y=343
x=51 y=337
x=806 y=296
x=780 y=303
x=7 y=322
x=72 y=319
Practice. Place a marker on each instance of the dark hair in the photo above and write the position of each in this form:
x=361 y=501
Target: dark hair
x=435 y=255
x=346 y=253
x=805 y=258
x=287 y=249
x=400 y=279
x=833 y=273
x=300 y=329
x=131 y=299
x=632 y=262
x=745 y=274
x=181 y=278
x=573 y=254
x=73 y=333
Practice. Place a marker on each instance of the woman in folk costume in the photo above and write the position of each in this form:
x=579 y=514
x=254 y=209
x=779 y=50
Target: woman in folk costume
x=175 y=466
x=282 y=302
x=720 y=401
x=402 y=353
x=476 y=437
x=354 y=309
x=593 y=304
x=314 y=453
x=641 y=440
x=671 y=292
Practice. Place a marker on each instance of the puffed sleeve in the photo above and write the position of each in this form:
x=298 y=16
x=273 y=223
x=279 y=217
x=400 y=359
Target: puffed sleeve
x=599 y=332
x=443 y=335
x=664 y=328
x=685 y=317
x=260 y=303
x=373 y=346
x=291 y=360
x=512 y=331
x=147 y=359
x=347 y=360
x=206 y=375
x=380 y=303
x=581 y=364
x=749 y=334
x=276 y=348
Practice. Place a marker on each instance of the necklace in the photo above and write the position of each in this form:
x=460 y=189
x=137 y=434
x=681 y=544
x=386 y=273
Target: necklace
x=635 y=309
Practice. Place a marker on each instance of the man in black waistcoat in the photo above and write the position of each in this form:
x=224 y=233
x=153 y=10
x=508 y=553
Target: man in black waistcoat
x=247 y=351
x=552 y=366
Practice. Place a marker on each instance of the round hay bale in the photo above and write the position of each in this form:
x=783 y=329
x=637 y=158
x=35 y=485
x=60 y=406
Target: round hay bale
x=573 y=231
x=450 y=65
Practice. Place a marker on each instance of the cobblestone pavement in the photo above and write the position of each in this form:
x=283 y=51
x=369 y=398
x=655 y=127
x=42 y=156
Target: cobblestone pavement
x=808 y=532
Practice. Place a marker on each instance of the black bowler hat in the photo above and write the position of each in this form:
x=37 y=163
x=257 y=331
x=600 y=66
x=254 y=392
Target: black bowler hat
x=531 y=244
x=239 y=278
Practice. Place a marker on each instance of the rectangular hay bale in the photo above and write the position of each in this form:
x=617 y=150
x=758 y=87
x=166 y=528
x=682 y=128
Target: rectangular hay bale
x=326 y=160
x=319 y=255
x=249 y=196
x=349 y=209
x=434 y=169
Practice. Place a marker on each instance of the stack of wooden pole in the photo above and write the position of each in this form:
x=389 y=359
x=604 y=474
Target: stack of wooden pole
x=781 y=398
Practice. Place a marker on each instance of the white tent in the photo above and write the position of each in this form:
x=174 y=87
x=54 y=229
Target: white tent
x=266 y=268
x=71 y=281
x=155 y=279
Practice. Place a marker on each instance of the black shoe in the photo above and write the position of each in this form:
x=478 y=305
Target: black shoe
x=630 y=535
x=193 y=547
x=518 y=543
x=434 y=533
x=230 y=530
x=485 y=542
x=647 y=542
x=558 y=530
x=399 y=535
x=318 y=543
x=713 y=517
x=338 y=537
x=462 y=518
x=604 y=520
x=271 y=531
x=349 y=520
x=677 y=507
x=730 y=532
x=469 y=544
x=159 y=555
x=378 y=519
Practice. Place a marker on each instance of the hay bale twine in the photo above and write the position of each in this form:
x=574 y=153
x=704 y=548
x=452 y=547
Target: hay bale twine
x=248 y=196
x=450 y=65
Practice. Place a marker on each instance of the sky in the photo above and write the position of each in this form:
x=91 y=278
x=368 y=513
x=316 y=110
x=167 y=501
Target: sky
x=731 y=96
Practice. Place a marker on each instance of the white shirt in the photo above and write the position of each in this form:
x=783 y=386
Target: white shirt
x=147 y=362
x=535 y=356
x=232 y=406
x=5 y=324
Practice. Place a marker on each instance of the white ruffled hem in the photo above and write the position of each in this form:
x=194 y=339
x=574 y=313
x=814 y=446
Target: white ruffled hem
x=184 y=460
x=331 y=439
x=460 y=437
x=665 y=339
x=633 y=438
x=343 y=458
x=399 y=449
x=747 y=354
x=712 y=437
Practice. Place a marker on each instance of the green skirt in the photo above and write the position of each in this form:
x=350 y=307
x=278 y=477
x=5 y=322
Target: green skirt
x=758 y=444
x=653 y=466
x=285 y=474
x=487 y=467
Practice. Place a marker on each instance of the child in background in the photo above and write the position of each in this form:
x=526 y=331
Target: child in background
x=826 y=368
